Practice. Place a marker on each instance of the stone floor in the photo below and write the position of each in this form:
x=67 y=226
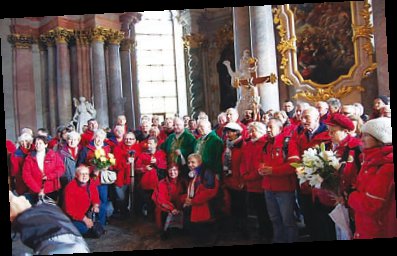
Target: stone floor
x=139 y=233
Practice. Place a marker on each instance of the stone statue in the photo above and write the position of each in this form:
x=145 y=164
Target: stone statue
x=84 y=112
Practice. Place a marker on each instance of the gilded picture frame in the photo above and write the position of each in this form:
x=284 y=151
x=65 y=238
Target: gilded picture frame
x=304 y=44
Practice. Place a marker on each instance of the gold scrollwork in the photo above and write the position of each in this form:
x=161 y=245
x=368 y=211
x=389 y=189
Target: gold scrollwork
x=82 y=37
x=115 y=36
x=323 y=94
x=193 y=40
x=98 y=34
x=21 y=41
x=284 y=19
x=62 y=35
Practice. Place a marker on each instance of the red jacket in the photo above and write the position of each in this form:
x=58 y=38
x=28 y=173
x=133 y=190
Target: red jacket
x=10 y=146
x=86 y=137
x=372 y=202
x=77 y=199
x=283 y=178
x=300 y=142
x=250 y=164
x=203 y=193
x=149 y=178
x=234 y=180
x=167 y=197
x=53 y=169
x=123 y=168
x=349 y=173
x=17 y=160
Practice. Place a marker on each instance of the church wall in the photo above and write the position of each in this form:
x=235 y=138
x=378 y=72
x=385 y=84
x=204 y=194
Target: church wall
x=6 y=55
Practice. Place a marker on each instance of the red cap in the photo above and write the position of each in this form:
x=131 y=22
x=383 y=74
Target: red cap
x=342 y=121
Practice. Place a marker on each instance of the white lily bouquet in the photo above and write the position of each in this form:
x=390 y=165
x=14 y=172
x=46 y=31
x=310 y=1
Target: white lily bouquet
x=319 y=167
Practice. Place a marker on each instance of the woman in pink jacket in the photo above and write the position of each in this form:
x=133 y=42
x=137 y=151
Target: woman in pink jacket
x=374 y=202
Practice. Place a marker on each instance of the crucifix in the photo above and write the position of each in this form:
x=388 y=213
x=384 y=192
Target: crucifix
x=249 y=91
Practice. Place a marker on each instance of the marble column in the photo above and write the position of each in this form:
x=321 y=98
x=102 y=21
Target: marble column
x=116 y=102
x=134 y=71
x=241 y=32
x=99 y=76
x=127 y=21
x=44 y=83
x=381 y=47
x=264 y=49
x=193 y=44
x=74 y=70
x=64 y=96
x=83 y=64
x=24 y=88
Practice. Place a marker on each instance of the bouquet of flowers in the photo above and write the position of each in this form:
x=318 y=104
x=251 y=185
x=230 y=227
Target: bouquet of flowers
x=319 y=167
x=101 y=160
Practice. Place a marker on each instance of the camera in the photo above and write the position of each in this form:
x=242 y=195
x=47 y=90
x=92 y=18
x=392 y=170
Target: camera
x=131 y=153
x=227 y=171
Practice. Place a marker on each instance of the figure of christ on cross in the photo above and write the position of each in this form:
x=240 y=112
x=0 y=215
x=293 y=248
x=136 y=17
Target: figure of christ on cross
x=249 y=91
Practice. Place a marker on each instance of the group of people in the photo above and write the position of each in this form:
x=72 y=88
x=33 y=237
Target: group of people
x=188 y=172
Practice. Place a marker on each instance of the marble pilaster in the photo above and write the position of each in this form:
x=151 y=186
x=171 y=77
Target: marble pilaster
x=44 y=83
x=116 y=102
x=264 y=49
x=241 y=32
x=24 y=88
x=64 y=97
x=99 y=76
x=127 y=53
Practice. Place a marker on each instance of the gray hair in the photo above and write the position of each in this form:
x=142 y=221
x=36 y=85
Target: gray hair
x=25 y=137
x=259 y=127
x=73 y=135
x=334 y=102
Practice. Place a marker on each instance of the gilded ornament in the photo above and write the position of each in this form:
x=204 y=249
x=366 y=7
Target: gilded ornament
x=193 y=40
x=21 y=41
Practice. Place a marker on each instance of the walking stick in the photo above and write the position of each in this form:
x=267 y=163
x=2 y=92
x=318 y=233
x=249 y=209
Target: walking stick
x=132 y=177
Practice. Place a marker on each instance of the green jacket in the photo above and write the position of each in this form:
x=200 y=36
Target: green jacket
x=186 y=143
x=210 y=148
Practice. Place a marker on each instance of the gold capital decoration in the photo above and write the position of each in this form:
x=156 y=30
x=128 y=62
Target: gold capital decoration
x=98 y=34
x=224 y=36
x=127 y=44
x=21 y=41
x=115 y=36
x=326 y=93
x=81 y=37
x=48 y=38
x=193 y=40
x=62 y=35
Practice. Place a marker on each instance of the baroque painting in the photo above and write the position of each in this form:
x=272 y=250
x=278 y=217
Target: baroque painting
x=324 y=43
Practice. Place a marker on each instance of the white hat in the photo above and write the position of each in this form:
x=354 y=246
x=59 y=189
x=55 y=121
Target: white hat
x=233 y=126
x=380 y=128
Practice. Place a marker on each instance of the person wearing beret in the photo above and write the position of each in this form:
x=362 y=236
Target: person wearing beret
x=379 y=102
x=374 y=202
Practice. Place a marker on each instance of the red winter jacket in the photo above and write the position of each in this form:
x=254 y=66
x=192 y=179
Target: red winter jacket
x=252 y=152
x=122 y=167
x=372 y=203
x=149 y=178
x=347 y=176
x=283 y=178
x=17 y=160
x=77 y=199
x=234 y=181
x=53 y=169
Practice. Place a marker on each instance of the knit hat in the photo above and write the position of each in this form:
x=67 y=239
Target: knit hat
x=380 y=128
x=384 y=98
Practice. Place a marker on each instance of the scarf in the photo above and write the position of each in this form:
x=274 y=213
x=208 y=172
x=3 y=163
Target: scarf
x=227 y=160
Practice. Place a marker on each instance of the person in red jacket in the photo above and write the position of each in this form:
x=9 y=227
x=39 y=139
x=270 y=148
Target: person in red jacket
x=125 y=153
x=167 y=198
x=150 y=167
x=374 y=202
x=249 y=171
x=42 y=170
x=279 y=183
x=81 y=196
x=11 y=148
x=231 y=177
x=202 y=188
x=17 y=159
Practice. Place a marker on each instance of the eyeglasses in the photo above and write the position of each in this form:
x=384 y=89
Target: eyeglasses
x=130 y=139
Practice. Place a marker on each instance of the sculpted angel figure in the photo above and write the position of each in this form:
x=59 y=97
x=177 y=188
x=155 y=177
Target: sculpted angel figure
x=84 y=112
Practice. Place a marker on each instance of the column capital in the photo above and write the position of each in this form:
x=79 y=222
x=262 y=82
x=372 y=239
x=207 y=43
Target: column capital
x=127 y=44
x=130 y=17
x=98 y=34
x=48 y=39
x=224 y=35
x=193 y=40
x=115 y=36
x=62 y=35
x=21 y=41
